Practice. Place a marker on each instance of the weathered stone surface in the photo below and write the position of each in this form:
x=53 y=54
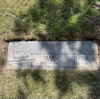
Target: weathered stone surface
x=53 y=55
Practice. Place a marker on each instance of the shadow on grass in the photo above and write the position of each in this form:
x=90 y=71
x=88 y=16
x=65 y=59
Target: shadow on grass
x=59 y=21
x=64 y=79
x=66 y=82
x=56 y=20
x=26 y=87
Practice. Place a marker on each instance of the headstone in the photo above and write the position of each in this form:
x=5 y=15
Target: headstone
x=52 y=55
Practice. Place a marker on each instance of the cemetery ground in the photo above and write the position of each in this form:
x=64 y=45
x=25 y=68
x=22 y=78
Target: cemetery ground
x=66 y=20
x=50 y=84
x=38 y=24
x=29 y=84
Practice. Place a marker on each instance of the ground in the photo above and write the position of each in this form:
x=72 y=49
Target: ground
x=50 y=84
x=46 y=84
x=66 y=20
x=3 y=53
x=9 y=13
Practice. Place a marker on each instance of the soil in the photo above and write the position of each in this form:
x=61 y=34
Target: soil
x=3 y=53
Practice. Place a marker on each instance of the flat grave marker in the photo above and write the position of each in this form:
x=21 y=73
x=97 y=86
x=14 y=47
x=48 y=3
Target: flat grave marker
x=51 y=55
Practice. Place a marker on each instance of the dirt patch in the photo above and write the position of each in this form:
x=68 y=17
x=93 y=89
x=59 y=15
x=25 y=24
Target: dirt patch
x=3 y=53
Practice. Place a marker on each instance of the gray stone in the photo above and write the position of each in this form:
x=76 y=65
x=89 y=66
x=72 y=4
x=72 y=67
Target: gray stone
x=52 y=55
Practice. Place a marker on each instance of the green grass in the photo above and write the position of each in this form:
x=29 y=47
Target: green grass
x=47 y=20
x=9 y=12
x=50 y=84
